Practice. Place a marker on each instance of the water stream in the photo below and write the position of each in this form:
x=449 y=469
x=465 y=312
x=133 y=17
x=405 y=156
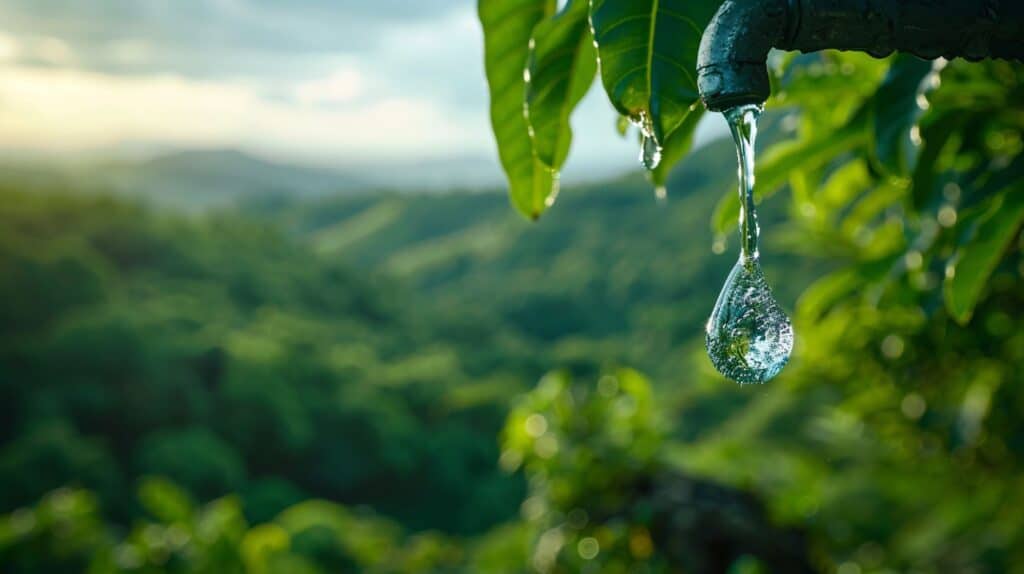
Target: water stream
x=749 y=336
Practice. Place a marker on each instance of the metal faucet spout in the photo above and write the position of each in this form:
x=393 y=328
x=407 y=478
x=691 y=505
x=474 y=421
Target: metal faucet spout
x=731 y=64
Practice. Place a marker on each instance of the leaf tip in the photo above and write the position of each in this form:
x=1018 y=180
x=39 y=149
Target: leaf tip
x=960 y=311
x=961 y=316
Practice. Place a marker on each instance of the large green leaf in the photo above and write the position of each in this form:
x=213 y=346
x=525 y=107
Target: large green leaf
x=560 y=70
x=648 y=58
x=508 y=26
x=975 y=260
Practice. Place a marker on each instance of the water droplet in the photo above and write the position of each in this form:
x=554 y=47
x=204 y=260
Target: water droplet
x=650 y=148
x=650 y=152
x=749 y=337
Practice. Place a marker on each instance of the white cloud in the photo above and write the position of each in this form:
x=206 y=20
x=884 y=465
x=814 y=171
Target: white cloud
x=342 y=86
x=47 y=50
x=205 y=37
x=8 y=48
x=70 y=110
x=129 y=52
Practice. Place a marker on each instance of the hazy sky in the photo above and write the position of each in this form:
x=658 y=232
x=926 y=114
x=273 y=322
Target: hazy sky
x=325 y=81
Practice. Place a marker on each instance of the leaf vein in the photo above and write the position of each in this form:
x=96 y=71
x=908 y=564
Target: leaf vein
x=607 y=30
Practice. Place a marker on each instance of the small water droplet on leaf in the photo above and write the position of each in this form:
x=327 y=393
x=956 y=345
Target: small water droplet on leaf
x=650 y=152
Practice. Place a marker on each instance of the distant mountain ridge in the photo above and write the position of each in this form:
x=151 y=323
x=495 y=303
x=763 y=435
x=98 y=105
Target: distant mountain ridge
x=208 y=178
x=215 y=178
x=200 y=179
x=193 y=180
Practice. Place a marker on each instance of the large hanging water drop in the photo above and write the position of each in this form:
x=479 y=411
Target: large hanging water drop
x=749 y=336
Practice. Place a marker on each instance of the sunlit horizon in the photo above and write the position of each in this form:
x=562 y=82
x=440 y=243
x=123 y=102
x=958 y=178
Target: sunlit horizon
x=128 y=81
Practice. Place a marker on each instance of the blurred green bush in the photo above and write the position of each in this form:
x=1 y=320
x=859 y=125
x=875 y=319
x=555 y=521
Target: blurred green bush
x=185 y=395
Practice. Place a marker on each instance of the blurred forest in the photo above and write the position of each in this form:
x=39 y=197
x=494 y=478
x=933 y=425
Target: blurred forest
x=398 y=383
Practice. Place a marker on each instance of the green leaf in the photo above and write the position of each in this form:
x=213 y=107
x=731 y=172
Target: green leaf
x=825 y=79
x=783 y=159
x=648 y=55
x=997 y=181
x=508 y=26
x=621 y=125
x=973 y=264
x=678 y=145
x=560 y=71
x=165 y=500
x=827 y=292
x=935 y=135
x=897 y=110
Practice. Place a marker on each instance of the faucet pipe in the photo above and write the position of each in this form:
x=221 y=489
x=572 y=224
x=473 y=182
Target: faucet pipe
x=732 y=62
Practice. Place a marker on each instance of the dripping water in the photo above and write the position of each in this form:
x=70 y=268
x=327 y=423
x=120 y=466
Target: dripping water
x=650 y=147
x=749 y=336
x=650 y=152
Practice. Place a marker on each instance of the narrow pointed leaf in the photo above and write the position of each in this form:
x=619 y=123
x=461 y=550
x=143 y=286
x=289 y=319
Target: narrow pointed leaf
x=975 y=261
x=826 y=292
x=508 y=26
x=648 y=58
x=560 y=71
x=935 y=136
x=897 y=109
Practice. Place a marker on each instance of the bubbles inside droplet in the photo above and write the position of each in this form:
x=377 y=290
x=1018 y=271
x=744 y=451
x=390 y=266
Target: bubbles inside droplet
x=749 y=336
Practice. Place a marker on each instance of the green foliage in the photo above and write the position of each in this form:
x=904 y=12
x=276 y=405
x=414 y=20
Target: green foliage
x=775 y=167
x=165 y=501
x=647 y=52
x=60 y=534
x=978 y=256
x=900 y=172
x=230 y=358
x=508 y=26
x=549 y=285
x=648 y=55
x=604 y=499
x=195 y=458
x=65 y=533
x=558 y=78
x=678 y=145
x=903 y=179
x=323 y=387
x=875 y=428
x=49 y=456
x=227 y=358
x=896 y=111
x=584 y=447
x=851 y=109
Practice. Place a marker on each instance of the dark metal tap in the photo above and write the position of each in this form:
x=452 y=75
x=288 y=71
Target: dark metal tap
x=731 y=65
